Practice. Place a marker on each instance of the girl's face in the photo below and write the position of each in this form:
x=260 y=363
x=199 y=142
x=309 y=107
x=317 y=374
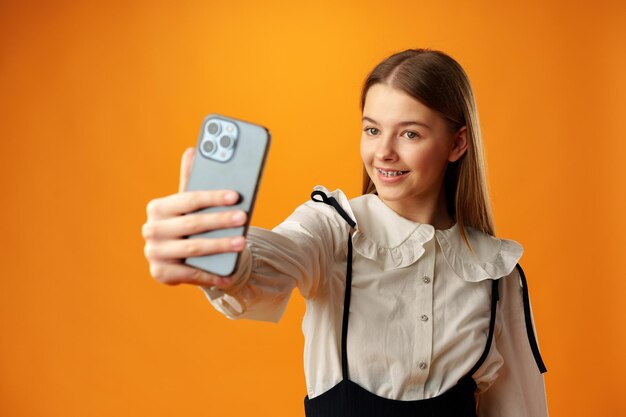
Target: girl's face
x=406 y=147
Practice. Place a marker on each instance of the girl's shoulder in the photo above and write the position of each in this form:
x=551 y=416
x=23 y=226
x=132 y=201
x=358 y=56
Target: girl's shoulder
x=491 y=257
x=313 y=220
x=314 y=212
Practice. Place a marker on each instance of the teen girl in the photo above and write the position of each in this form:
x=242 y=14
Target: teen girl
x=413 y=306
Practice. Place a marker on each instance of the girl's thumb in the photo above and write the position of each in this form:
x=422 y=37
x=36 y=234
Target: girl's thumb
x=185 y=168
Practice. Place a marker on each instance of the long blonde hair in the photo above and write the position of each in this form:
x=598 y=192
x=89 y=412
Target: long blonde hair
x=439 y=82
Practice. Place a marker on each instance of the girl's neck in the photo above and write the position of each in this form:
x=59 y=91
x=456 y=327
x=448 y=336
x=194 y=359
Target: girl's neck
x=433 y=211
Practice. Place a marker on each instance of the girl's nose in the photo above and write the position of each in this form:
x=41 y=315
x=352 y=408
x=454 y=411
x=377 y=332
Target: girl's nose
x=385 y=150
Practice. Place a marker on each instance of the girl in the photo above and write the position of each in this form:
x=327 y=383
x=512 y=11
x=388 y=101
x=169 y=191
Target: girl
x=413 y=306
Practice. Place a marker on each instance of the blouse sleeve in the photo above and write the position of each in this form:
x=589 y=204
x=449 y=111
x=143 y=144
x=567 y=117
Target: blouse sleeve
x=299 y=252
x=519 y=389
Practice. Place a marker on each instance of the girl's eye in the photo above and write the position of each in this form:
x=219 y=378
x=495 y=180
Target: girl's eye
x=372 y=131
x=409 y=134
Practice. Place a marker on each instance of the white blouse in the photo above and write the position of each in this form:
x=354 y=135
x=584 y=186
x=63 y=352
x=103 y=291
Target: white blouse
x=420 y=304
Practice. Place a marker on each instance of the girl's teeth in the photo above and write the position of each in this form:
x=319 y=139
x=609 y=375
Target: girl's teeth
x=390 y=173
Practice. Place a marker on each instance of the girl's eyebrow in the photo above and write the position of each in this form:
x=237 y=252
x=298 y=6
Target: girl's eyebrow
x=405 y=123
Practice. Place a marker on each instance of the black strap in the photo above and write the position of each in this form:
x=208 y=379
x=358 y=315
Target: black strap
x=346 y=311
x=495 y=296
x=346 y=298
x=529 y=325
x=330 y=200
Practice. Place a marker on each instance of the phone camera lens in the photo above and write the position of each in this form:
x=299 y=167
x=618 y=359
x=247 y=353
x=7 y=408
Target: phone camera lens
x=208 y=147
x=213 y=128
x=226 y=142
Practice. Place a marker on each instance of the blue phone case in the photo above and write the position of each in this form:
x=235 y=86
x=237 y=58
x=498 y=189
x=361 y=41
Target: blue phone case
x=236 y=167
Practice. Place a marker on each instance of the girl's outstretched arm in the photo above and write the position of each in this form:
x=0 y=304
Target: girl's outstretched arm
x=300 y=252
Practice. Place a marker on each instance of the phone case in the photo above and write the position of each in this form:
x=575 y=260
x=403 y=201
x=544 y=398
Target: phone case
x=238 y=168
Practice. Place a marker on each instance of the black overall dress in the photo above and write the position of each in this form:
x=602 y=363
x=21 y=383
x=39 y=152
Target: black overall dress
x=350 y=399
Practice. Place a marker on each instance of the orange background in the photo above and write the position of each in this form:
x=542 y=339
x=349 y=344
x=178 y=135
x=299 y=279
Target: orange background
x=98 y=102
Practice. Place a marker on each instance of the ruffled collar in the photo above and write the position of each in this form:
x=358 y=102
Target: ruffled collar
x=393 y=241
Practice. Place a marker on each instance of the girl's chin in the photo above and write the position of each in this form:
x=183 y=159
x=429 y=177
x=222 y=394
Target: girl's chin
x=389 y=195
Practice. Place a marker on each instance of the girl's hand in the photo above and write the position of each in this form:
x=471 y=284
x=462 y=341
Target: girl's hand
x=167 y=224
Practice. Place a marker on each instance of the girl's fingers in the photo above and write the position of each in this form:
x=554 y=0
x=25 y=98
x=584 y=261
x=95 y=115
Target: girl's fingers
x=189 y=201
x=175 y=250
x=191 y=224
x=177 y=273
x=185 y=168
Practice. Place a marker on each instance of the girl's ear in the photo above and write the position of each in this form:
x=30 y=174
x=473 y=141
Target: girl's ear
x=459 y=145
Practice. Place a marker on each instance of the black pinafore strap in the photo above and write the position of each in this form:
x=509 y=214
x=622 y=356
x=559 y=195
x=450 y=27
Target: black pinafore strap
x=529 y=325
x=346 y=298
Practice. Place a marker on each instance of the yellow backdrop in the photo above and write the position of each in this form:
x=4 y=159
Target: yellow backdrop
x=98 y=102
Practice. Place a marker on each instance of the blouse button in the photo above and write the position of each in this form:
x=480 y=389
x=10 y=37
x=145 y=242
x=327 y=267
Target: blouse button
x=426 y=279
x=424 y=317
x=422 y=365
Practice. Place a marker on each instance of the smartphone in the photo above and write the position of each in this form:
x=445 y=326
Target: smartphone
x=230 y=155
